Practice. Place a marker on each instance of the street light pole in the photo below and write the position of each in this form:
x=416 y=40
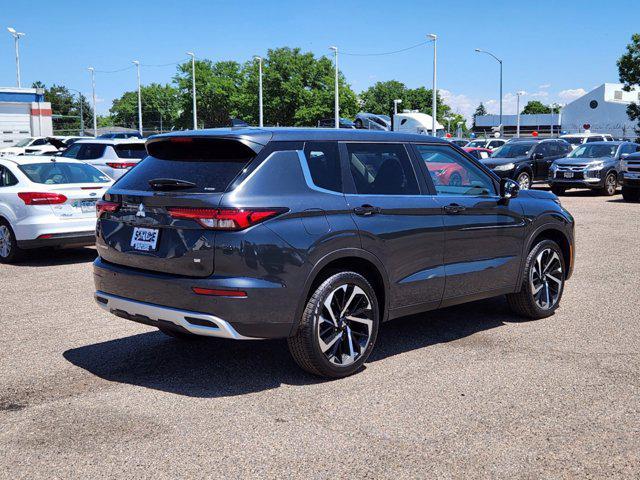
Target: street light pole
x=337 y=98
x=16 y=37
x=434 y=91
x=261 y=115
x=93 y=88
x=137 y=64
x=193 y=88
x=518 y=95
x=500 y=62
x=395 y=105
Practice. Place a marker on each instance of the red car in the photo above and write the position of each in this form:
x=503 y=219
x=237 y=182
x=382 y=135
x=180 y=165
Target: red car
x=479 y=153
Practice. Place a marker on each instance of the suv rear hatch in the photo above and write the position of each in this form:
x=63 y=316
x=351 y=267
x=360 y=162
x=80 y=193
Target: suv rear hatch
x=159 y=216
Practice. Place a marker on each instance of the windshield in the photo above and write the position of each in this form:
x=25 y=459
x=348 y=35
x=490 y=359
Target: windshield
x=57 y=173
x=386 y=118
x=512 y=150
x=591 y=150
x=24 y=142
x=476 y=143
x=573 y=140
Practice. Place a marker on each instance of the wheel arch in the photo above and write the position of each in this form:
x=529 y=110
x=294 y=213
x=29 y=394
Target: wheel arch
x=550 y=231
x=348 y=259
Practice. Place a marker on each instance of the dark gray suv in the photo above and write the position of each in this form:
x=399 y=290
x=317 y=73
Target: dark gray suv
x=318 y=236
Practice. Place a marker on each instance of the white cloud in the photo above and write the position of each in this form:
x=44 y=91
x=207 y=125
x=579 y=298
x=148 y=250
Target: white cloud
x=540 y=94
x=544 y=86
x=461 y=104
x=571 y=94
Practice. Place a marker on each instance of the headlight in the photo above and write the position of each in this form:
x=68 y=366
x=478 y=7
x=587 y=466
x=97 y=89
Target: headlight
x=553 y=167
x=623 y=165
x=595 y=166
x=504 y=167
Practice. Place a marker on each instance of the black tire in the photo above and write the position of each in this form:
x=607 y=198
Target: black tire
x=524 y=302
x=304 y=345
x=525 y=180
x=9 y=250
x=558 y=190
x=631 y=194
x=610 y=185
x=177 y=334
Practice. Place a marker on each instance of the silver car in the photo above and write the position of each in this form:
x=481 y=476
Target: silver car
x=373 y=121
x=112 y=156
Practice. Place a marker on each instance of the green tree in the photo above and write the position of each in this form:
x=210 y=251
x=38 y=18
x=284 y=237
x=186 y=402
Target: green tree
x=629 y=73
x=66 y=106
x=160 y=108
x=379 y=97
x=535 y=107
x=480 y=110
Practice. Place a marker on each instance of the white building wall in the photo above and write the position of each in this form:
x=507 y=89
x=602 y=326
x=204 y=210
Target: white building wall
x=608 y=113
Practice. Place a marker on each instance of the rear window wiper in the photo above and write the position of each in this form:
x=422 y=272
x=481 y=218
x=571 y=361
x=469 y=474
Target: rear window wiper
x=170 y=184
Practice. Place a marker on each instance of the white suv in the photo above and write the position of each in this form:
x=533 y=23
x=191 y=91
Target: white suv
x=47 y=201
x=112 y=156
x=576 y=139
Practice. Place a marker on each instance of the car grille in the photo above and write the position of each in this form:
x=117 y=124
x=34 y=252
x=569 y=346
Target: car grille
x=633 y=165
x=577 y=170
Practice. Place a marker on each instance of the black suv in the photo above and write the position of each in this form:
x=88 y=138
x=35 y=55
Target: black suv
x=318 y=236
x=527 y=160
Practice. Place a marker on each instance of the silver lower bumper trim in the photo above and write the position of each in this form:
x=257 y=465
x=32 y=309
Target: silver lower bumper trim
x=213 y=326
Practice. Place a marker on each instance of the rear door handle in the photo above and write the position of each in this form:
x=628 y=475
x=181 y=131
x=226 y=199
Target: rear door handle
x=366 y=210
x=454 y=208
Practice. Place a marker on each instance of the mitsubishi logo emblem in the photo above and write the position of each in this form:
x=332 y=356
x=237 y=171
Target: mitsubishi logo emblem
x=140 y=212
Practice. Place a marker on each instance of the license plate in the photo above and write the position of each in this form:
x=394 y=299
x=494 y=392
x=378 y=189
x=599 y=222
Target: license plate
x=568 y=174
x=88 y=206
x=144 y=239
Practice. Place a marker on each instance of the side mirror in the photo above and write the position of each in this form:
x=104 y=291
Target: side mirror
x=508 y=188
x=537 y=156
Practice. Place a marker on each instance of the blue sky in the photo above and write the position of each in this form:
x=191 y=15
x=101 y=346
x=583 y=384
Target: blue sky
x=553 y=50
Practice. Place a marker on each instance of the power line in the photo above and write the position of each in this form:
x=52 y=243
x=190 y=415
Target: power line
x=115 y=71
x=384 y=53
x=165 y=64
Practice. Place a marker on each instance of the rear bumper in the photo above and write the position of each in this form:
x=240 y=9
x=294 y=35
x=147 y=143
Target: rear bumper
x=79 y=239
x=157 y=315
x=267 y=311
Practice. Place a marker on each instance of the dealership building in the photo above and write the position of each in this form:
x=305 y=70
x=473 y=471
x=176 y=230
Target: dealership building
x=23 y=113
x=604 y=109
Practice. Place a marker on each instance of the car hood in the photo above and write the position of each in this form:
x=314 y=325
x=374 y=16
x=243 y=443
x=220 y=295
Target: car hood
x=583 y=161
x=494 y=161
x=539 y=194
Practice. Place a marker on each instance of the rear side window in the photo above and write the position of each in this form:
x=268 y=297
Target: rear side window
x=323 y=161
x=57 y=173
x=85 y=151
x=381 y=169
x=7 y=179
x=210 y=165
x=131 y=150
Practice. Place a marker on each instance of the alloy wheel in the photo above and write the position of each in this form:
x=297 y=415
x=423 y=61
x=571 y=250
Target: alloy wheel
x=524 y=181
x=611 y=184
x=546 y=279
x=345 y=325
x=5 y=241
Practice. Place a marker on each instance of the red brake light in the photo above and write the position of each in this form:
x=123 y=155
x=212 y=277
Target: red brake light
x=224 y=219
x=104 y=206
x=181 y=140
x=122 y=165
x=42 y=198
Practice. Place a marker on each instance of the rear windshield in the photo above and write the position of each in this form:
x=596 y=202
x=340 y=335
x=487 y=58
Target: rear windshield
x=130 y=150
x=57 y=173
x=573 y=140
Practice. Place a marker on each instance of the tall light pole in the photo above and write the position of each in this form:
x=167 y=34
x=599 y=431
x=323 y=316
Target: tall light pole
x=137 y=64
x=500 y=62
x=93 y=89
x=16 y=36
x=434 y=92
x=337 y=98
x=261 y=115
x=193 y=88
x=395 y=105
x=518 y=95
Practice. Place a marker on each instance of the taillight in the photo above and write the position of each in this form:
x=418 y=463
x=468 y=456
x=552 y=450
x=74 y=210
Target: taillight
x=224 y=219
x=122 y=165
x=42 y=198
x=103 y=206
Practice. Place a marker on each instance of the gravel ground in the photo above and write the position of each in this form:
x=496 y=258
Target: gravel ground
x=467 y=391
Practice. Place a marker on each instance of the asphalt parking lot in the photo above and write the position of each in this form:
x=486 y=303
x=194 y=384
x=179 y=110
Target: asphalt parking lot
x=466 y=391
